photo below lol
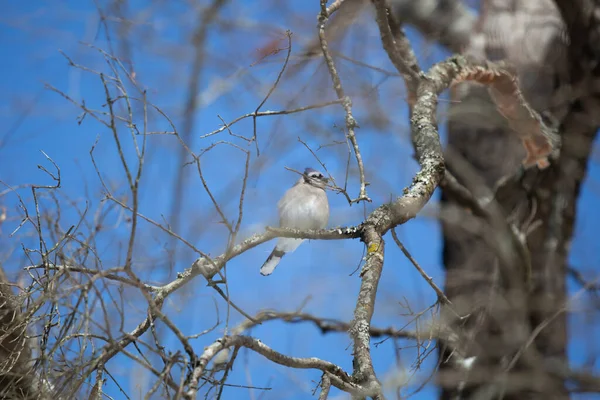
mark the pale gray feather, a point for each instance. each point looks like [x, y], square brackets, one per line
[303, 206]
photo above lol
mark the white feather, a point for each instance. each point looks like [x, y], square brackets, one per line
[303, 206]
[287, 245]
[270, 265]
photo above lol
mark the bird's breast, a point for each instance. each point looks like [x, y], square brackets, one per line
[305, 212]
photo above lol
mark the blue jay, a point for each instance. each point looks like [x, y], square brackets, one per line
[303, 206]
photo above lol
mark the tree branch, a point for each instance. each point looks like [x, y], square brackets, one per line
[364, 372]
[448, 21]
[274, 356]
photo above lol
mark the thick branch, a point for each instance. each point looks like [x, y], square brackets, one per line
[210, 267]
[278, 358]
[397, 47]
[538, 139]
[364, 373]
[448, 21]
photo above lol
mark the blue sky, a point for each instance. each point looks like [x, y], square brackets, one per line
[34, 119]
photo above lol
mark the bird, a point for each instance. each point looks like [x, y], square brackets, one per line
[303, 206]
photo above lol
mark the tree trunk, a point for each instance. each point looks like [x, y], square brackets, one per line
[516, 327]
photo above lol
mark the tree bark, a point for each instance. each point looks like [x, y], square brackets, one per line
[513, 327]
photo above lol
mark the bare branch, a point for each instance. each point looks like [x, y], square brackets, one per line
[538, 139]
[449, 22]
[346, 101]
[441, 296]
[325, 325]
[269, 113]
[267, 352]
[398, 48]
[364, 372]
[325, 386]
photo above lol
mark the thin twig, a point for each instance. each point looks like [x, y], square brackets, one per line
[346, 101]
[270, 113]
[272, 89]
[441, 296]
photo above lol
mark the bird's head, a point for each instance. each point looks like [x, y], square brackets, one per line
[315, 178]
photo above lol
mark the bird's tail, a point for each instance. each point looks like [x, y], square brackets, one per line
[272, 261]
